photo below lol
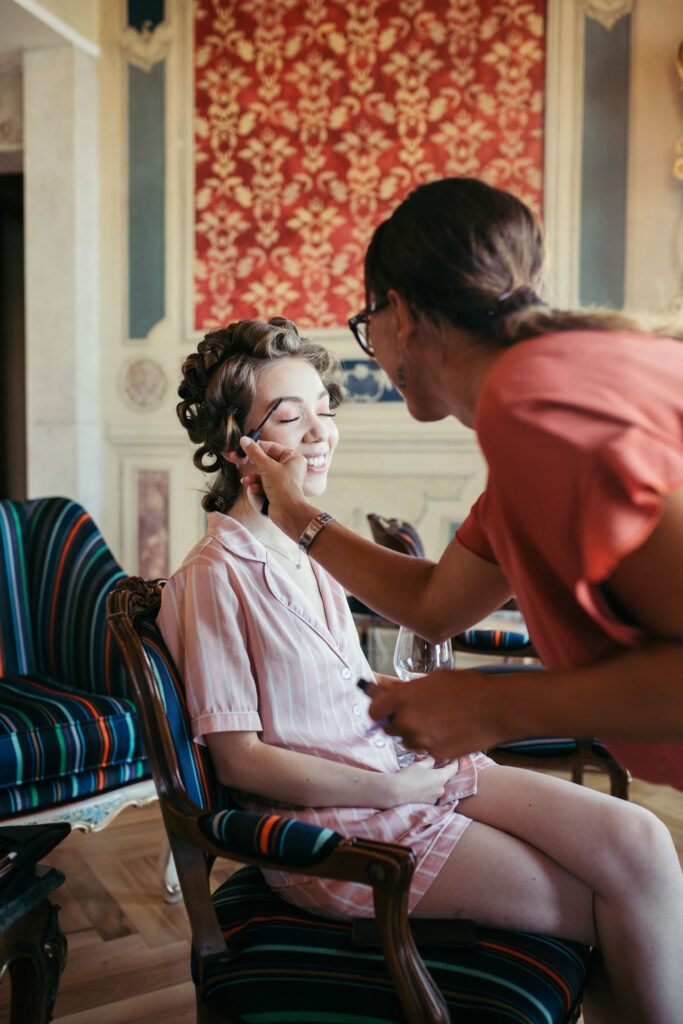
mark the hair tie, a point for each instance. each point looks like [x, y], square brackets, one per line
[518, 298]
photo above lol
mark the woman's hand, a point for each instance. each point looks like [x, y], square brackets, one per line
[421, 782]
[280, 475]
[448, 713]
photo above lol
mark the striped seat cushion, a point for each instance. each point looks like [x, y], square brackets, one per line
[551, 746]
[37, 796]
[287, 965]
[49, 731]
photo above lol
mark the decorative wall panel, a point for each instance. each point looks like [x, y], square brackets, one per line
[314, 118]
[153, 540]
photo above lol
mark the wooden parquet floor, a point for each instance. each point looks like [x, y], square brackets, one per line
[129, 952]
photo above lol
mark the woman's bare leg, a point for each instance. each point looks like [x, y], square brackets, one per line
[553, 857]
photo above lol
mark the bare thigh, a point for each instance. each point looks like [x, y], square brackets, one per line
[602, 841]
[536, 852]
[500, 881]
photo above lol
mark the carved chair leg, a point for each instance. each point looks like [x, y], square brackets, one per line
[168, 876]
[36, 964]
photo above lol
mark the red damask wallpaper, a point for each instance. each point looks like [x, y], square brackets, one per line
[314, 118]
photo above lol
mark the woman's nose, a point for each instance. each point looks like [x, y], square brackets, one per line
[316, 429]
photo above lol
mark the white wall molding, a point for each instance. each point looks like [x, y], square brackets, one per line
[563, 150]
[67, 33]
[62, 274]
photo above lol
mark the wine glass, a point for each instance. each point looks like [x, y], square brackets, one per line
[414, 656]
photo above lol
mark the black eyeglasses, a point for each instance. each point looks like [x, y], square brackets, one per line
[360, 324]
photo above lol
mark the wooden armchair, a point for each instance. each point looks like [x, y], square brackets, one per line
[255, 955]
[556, 753]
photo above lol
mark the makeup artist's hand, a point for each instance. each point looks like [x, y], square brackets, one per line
[449, 712]
[280, 474]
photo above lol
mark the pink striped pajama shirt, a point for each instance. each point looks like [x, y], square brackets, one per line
[255, 657]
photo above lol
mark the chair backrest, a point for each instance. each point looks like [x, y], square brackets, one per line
[181, 768]
[399, 535]
[17, 656]
[56, 581]
[396, 534]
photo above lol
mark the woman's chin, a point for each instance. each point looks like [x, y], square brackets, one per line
[316, 484]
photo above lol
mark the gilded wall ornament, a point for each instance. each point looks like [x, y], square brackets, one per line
[146, 48]
[142, 385]
[607, 12]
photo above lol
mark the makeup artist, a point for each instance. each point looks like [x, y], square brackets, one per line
[579, 416]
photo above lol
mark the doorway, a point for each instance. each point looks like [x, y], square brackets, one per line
[12, 340]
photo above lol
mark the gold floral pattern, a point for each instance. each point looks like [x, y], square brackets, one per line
[314, 118]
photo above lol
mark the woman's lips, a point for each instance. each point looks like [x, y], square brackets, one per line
[317, 464]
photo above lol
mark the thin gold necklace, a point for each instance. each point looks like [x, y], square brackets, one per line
[297, 565]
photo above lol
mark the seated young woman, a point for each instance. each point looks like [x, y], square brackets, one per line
[270, 657]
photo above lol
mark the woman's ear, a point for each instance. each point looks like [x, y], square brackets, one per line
[237, 460]
[404, 318]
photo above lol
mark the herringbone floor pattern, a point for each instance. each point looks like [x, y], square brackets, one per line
[128, 959]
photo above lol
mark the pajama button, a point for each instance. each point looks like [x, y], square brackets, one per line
[379, 742]
[357, 710]
[347, 673]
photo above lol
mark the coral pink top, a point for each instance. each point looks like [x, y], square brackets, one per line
[255, 657]
[583, 435]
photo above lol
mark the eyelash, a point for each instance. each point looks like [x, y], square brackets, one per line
[295, 418]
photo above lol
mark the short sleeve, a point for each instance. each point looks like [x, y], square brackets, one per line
[203, 626]
[621, 491]
[471, 533]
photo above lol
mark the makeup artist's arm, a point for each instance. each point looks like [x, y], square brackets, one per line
[243, 761]
[437, 600]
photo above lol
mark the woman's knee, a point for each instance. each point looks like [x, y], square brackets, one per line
[639, 847]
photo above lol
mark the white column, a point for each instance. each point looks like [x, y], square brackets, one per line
[654, 255]
[62, 274]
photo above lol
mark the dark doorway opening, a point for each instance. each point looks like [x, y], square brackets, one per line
[12, 340]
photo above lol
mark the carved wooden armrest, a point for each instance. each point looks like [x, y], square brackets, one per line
[272, 841]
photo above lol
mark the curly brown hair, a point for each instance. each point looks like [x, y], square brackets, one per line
[218, 388]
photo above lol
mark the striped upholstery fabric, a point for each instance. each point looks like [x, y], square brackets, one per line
[70, 571]
[269, 836]
[287, 965]
[396, 534]
[18, 800]
[497, 641]
[59, 744]
[202, 786]
[16, 639]
[67, 729]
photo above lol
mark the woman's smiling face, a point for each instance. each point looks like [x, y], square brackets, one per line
[303, 420]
